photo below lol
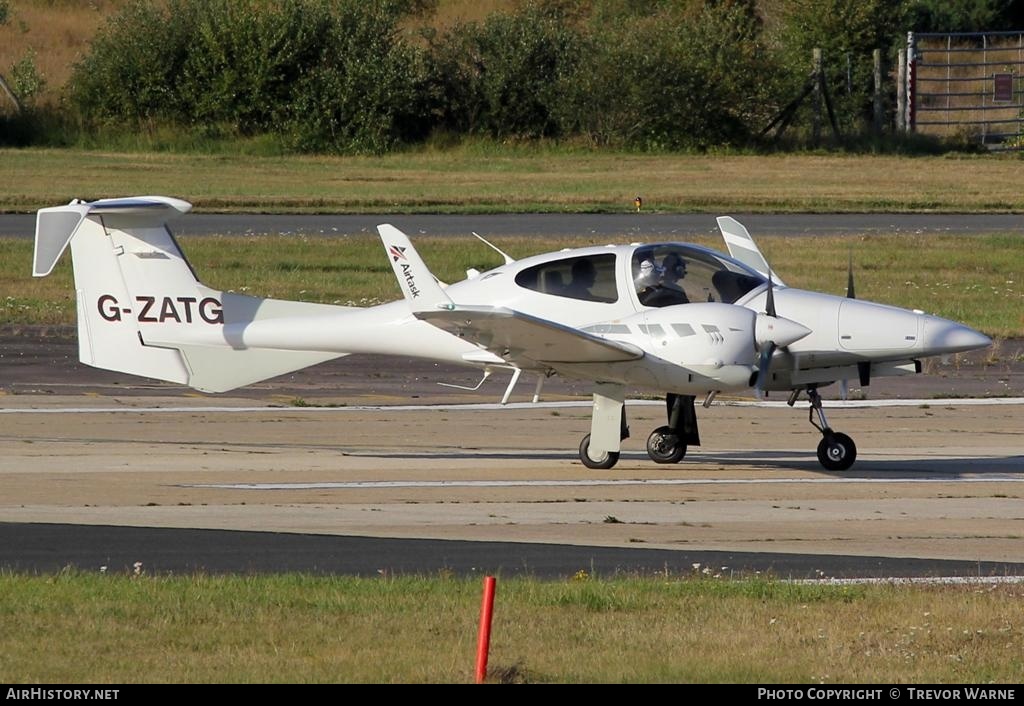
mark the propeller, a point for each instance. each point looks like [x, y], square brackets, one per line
[850, 292]
[772, 332]
[763, 363]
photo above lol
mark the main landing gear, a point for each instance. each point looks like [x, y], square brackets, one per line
[836, 452]
[603, 460]
[667, 444]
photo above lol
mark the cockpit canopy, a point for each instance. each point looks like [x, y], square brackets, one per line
[665, 275]
[660, 275]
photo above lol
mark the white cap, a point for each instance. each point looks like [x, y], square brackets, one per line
[649, 275]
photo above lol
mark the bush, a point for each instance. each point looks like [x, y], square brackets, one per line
[26, 81]
[366, 90]
[132, 73]
[326, 75]
[501, 77]
[675, 78]
[340, 76]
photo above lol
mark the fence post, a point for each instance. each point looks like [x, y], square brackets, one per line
[901, 92]
[877, 124]
[911, 119]
[816, 97]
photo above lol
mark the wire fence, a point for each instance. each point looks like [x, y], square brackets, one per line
[967, 85]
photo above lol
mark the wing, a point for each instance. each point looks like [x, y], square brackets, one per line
[527, 341]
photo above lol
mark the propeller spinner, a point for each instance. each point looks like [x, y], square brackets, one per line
[772, 332]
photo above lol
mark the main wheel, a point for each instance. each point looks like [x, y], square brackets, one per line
[837, 452]
[604, 461]
[665, 446]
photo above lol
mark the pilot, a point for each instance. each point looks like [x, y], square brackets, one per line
[583, 277]
[674, 268]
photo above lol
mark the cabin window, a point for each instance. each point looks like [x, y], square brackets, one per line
[589, 278]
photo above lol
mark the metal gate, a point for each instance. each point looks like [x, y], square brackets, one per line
[967, 84]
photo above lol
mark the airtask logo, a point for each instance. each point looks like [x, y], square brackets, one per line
[398, 253]
[158, 310]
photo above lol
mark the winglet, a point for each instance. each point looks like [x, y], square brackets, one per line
[743, 248]
[416, 281]
[56, 226]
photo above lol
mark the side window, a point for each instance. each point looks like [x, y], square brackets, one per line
[589, 278]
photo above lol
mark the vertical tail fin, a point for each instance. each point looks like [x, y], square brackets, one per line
[141, 308]
[743, 248]
[416, 281]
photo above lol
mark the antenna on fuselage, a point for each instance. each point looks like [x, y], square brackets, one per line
[495, 248]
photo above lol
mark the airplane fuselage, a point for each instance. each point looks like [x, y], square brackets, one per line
[689, 348]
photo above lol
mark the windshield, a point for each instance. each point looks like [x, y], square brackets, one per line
[664, 275]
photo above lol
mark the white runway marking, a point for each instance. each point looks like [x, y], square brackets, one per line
[829, 404]
[352, 485]
[914, 580]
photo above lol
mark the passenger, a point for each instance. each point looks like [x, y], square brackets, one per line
[647, 281]
[584, 275]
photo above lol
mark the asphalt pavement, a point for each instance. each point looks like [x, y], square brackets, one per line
[47, 548]
[639, 226]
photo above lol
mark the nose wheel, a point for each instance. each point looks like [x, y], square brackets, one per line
[836, 451]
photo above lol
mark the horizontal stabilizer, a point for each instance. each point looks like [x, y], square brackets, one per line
[55, 226]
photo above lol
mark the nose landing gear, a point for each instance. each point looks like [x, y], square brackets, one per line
[836, 451]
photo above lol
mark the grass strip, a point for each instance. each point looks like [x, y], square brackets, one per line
[486, 177]
[92, 627]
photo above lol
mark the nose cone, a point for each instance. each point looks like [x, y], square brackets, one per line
[778, 330]
[940, 336]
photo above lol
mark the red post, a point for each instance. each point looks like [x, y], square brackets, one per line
[483, 643]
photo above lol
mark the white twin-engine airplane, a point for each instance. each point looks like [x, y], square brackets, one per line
[677, 319]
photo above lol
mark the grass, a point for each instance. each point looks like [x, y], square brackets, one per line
[296, 628]
[480, 176]
[978, 280]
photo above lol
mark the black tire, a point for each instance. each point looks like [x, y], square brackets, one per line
[665, 446]
[605, 462]
[837, 452]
